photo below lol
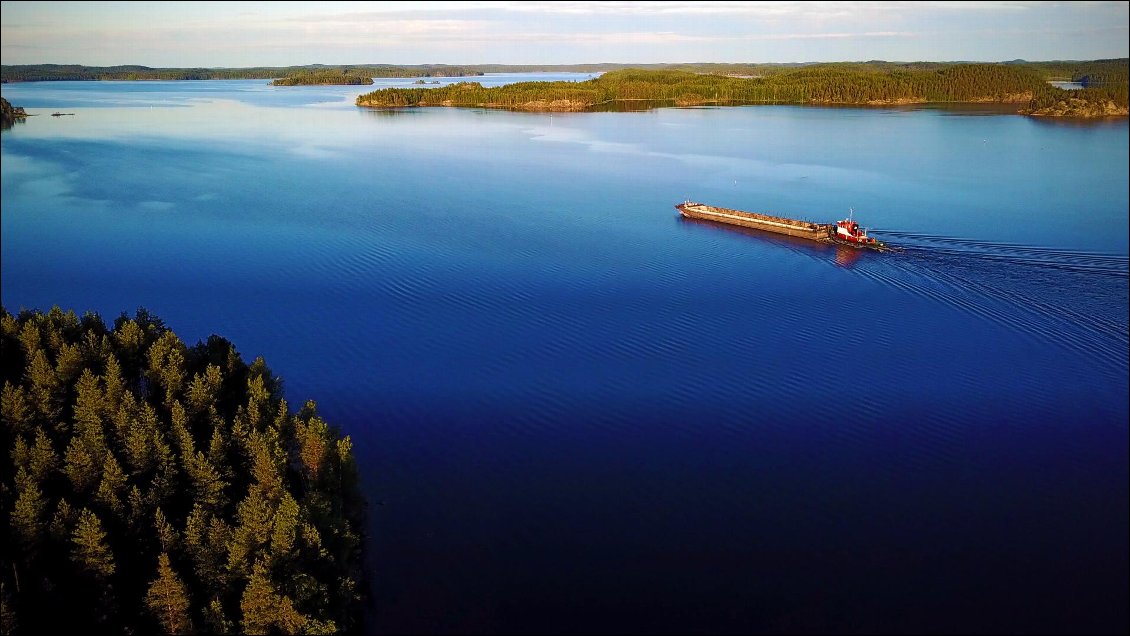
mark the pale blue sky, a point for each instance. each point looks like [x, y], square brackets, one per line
[235, 34]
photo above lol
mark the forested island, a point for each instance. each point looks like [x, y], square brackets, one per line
[879, 83]
[326, 77]
[10, 114]
[149, 486]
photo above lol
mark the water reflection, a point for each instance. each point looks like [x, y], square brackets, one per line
[382, 113]
[632, 105]
[847, 256]
[1079, 122]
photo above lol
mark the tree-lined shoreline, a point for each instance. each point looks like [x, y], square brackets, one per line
[872, 84]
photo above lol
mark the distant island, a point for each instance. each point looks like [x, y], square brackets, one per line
[10, 114]
[315, 78]
[1023, 86]
[77, 72]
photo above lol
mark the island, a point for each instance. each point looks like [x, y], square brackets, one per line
[1022, 87]
[9, 114]
[329, 77]
[150, 486]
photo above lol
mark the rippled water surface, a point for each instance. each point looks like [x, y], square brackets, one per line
[577, 412]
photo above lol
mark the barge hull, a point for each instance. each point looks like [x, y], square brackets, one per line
[820, 232]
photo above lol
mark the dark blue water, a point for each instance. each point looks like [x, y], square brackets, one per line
[577, 412]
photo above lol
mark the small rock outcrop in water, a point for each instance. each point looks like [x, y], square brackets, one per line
[11, 114]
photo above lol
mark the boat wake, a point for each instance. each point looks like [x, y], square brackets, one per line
[1066, 298]
[927, 245]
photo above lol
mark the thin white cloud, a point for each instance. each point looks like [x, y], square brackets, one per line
[247, 34]
[833, 36]
[671, 37]
[764, 8]
[983, 6]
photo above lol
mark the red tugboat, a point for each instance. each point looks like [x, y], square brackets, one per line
[848, 231]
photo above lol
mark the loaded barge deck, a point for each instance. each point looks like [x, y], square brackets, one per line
[846, 232]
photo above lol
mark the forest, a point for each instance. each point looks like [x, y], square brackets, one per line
[314, 78]
[150, 486]
[838, 83]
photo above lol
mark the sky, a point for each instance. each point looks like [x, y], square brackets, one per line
[242, 34]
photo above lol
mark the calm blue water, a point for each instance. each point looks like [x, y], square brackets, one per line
[577, 412]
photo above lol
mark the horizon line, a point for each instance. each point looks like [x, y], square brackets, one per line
[605, 63]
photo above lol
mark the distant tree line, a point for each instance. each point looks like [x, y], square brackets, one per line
[1059, 70]
[149, 486]
[1087, 73]
[74, 72]
[852, 83]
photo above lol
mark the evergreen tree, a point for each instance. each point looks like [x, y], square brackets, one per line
[206, 540]
[15, 408]
[136, 507]
[264, 610]
[204, 390]
[112, 487]
[215, 620]
[167, 599]
[207, 485]
[166, 365]
[44, 391]
[62, 521]
[114, 387]
[28, 515]
[285, 525]
[29, 338]
[81, 466]
[69, 364]
[313, 438]
[42, 459]
[90, 548]
[167, 535]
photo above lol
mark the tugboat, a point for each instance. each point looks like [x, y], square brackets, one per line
[848, 232]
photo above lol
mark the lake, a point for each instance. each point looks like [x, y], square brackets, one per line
[577, 412]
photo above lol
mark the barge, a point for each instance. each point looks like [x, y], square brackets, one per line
[845, 232]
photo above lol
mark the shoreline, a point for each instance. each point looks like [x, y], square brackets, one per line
[1079, 111]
